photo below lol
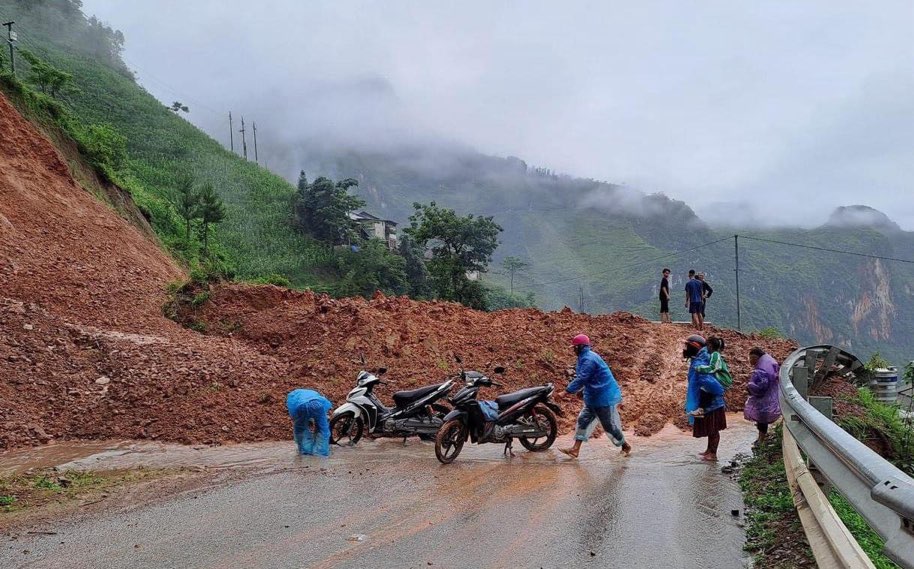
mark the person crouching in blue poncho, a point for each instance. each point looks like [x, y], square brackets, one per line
[308, 411]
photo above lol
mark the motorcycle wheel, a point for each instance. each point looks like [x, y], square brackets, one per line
[545, 418]
[449, 441]
[346, 429]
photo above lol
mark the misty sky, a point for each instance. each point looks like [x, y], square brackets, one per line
[720, 104]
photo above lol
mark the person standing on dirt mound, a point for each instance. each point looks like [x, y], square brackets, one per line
[601, 398]
[704, 392]
[310, 428]
[695, 300]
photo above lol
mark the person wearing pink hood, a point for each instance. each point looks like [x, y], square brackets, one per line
[763, 407]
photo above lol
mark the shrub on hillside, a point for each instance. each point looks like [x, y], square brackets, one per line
[370, 268]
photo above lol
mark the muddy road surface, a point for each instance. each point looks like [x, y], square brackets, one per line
[383, 504]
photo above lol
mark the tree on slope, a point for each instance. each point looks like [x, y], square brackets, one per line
[50, 80]
[514, 265]
[212, 210]
[187, 201]
[459, 246]
[322, 208]
[373, 267]
[414, 264]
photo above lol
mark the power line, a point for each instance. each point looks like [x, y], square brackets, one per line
[630, 265]
[826, 249]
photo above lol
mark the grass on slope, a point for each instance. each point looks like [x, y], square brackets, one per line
[256, 236]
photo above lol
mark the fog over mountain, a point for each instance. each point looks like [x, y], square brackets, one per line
[745, 112]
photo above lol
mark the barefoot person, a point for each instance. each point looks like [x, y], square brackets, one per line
[601, 398]
[762, 407]
[717, 367]
[704, 392]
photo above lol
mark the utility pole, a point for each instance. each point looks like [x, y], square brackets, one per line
[10, 38]
[581, 299]
[736, 252]
[244, 141]
[231, 133]
[254, 125]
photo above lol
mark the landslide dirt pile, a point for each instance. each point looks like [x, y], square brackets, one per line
[85, 351]
[63, 248]
[84, 348]
[323, 339]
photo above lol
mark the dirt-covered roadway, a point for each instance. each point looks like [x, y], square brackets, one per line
[661, 507]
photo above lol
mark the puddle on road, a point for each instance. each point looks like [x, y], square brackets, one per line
[669, 446]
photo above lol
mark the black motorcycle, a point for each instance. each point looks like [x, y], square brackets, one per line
[415, 412]
[527, 415]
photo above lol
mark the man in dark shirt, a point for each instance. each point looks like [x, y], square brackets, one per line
[694, 295]
[665, 297]
[706, 291]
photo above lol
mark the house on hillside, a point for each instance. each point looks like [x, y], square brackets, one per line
[373, 227]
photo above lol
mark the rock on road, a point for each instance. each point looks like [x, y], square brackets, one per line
[661, 507]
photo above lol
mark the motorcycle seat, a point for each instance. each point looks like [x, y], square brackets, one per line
[505, 401]
[404, 398]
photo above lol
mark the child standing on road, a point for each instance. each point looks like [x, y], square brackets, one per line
[718, 369]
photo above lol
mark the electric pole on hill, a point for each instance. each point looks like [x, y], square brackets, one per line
[254, 126]
[581, 299]
[10, 38]
[231, 133]
[244, 141]
[738, 311]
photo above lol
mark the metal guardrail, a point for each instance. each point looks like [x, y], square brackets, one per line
[876, 489]
[832, 544]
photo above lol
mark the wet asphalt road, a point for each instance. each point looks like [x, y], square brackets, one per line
[659, 508]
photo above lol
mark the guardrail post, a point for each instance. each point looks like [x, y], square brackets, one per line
[825, 406]
[801, 380]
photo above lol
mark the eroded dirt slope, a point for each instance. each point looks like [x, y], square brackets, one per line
[63, 248]
[84, 348]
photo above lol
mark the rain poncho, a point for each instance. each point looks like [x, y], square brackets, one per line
[306, 405]
[718, 368]
[592, 374]
[702, 381]
[763, 405]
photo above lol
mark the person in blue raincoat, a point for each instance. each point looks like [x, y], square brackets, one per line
[601, 398]
[704, 392]
[305, 406]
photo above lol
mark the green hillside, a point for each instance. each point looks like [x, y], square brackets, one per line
[610, 249]
[256, 239]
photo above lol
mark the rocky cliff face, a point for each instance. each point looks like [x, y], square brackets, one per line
[874, 312]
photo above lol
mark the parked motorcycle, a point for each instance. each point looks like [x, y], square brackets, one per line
[527, 415]
[415, 412]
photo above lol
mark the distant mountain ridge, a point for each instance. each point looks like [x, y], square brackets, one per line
[607, 243]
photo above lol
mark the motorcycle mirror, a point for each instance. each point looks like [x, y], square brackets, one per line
[499, 369]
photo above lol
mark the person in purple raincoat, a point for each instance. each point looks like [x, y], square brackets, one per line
[763, 407]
